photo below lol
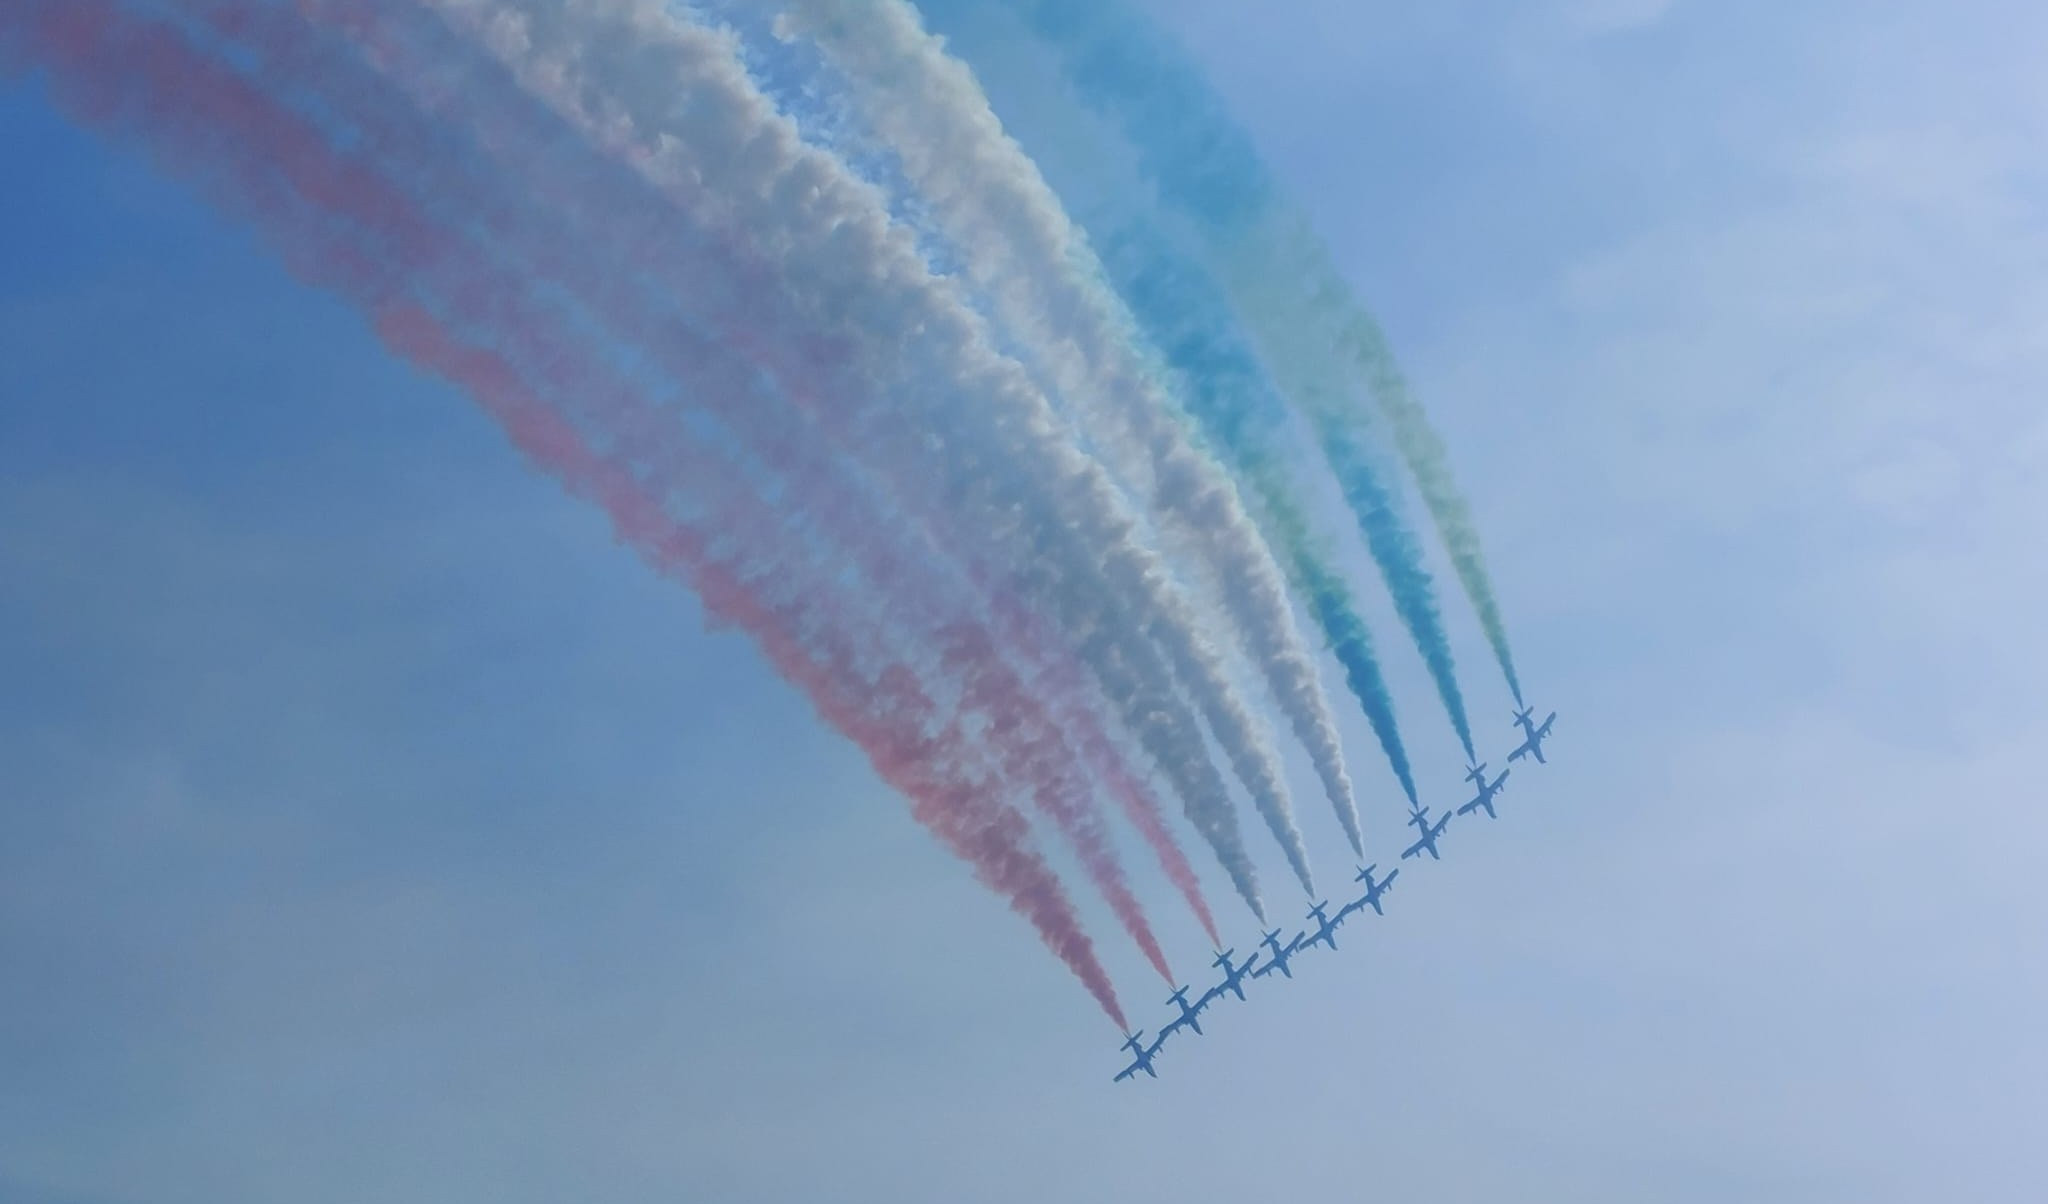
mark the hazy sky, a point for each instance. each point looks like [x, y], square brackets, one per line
[373, 828]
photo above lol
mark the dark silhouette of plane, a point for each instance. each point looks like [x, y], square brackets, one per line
[1233, 976]
[1373, 891]
[1533, 735]
[1325, 929]
[1427, 841]
[1321, 928]
[1141, 1055]
[1485, 796]
[1188, 1017]
[1277, 959]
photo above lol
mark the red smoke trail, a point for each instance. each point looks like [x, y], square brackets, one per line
[1023, 731]
[1017, 625]
[1029, 742]
[481, 103]
[141, 79]
[802, 371]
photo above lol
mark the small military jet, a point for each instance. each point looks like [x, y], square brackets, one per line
[1325, 932]
[1189, 1016]
[1485, 796]
[1277, 959]
[1427, 841]
[1533, 735]
[1373, 891]
[1141, 1055]
[1233, 976]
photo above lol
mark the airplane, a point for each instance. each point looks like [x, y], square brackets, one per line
[1532, 744]
[1427, 841]
[1373, 891]
[1485, 796]
[1326, 928]
[1277, 960]
[1187, 1017]
[1141, 1054]
[1233, 976]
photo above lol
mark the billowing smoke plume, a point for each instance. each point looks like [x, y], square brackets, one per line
[1019, 249]
[1312, 332]
[943, 503]
[437, 302]
[914, 368]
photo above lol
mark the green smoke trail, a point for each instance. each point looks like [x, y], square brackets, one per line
[1308, 325]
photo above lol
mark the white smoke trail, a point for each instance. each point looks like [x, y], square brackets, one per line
[1017, 246]
[917, 373]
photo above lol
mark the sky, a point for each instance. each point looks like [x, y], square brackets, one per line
[373, 827]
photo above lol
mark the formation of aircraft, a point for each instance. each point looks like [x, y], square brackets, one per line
[1322, 929]
[1484, 799]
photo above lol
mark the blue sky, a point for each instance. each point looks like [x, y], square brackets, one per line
[371, 827]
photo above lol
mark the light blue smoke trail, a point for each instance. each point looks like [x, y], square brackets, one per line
[1314, 335]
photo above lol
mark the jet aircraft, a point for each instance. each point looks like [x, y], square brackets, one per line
[1427, 841]
[1533, 735]
[1373, 891]
[1141, 1055]
[1325, 929]
[1485, 796]
[1233, 976]
[1277, 959]
[1188, 1017]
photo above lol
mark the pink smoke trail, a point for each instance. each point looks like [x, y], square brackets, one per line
[858, 407]
[1031, 751]
[141, 79]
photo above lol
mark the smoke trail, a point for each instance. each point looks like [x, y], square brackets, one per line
[1430, 464]
[1206, 171]
[1018, 247]
[141, 80]
[1350, 641]
[1061, 681]
[625, 229]
[1227, 392]
[1029, 752]
[673, 100]
[1301, 366]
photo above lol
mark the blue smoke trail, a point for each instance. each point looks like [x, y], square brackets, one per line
[1206, 171]
[1225, 390]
